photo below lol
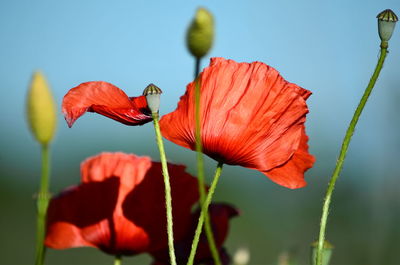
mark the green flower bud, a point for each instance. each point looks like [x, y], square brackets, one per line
[200, 34]
[152, 94]
[41, 109]
[386, 21]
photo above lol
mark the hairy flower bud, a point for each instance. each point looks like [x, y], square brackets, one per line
[200, 34]
[386, 22]
[152, 94]
[41, 109]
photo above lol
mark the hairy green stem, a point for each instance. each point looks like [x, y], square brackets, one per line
[343, 151]
[203, 213]
[168, 199]
[42, 203]
[200, 171]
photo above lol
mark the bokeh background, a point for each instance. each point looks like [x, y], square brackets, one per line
[328, 47]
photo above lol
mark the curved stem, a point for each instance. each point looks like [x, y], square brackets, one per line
[42, 203]
[168, 199]
[204, 211]
[342, 155]
[200, 172]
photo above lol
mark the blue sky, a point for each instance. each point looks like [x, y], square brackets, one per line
[328, 47]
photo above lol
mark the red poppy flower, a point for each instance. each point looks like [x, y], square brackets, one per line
[250, 116]
[120, 206]
[220, 214]
[106, 99]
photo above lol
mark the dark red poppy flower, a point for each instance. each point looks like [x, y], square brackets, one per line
[120, 206]
[220, 214]
[250, 116]
[106, 99]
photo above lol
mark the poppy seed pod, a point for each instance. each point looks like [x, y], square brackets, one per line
[152, 94]
[41, 109]
[200, 34]
[386, 22]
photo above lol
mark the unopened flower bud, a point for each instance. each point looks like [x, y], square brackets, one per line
[152, 94]
[41, 109]
[326, 252]
[386, 21]
[200, 34]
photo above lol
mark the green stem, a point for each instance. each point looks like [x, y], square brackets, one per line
[200, 174]
[42, 203]
[197, 67]
[342, 155]
[168, 200]
[118, 260]
[204, 210]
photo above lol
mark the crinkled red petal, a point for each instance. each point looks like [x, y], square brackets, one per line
[105, 99]
[290, 174]
[250, 115]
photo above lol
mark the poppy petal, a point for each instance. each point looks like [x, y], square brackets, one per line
[250, 115]
[124, 237]
[290, 174]
[62, 234]
[119, 206]
[106, 99]
[72, 220]
[184, 195]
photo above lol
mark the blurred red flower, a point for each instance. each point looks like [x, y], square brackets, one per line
[250, 116]
[120, 206]
[220, 214]
[105, 99]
